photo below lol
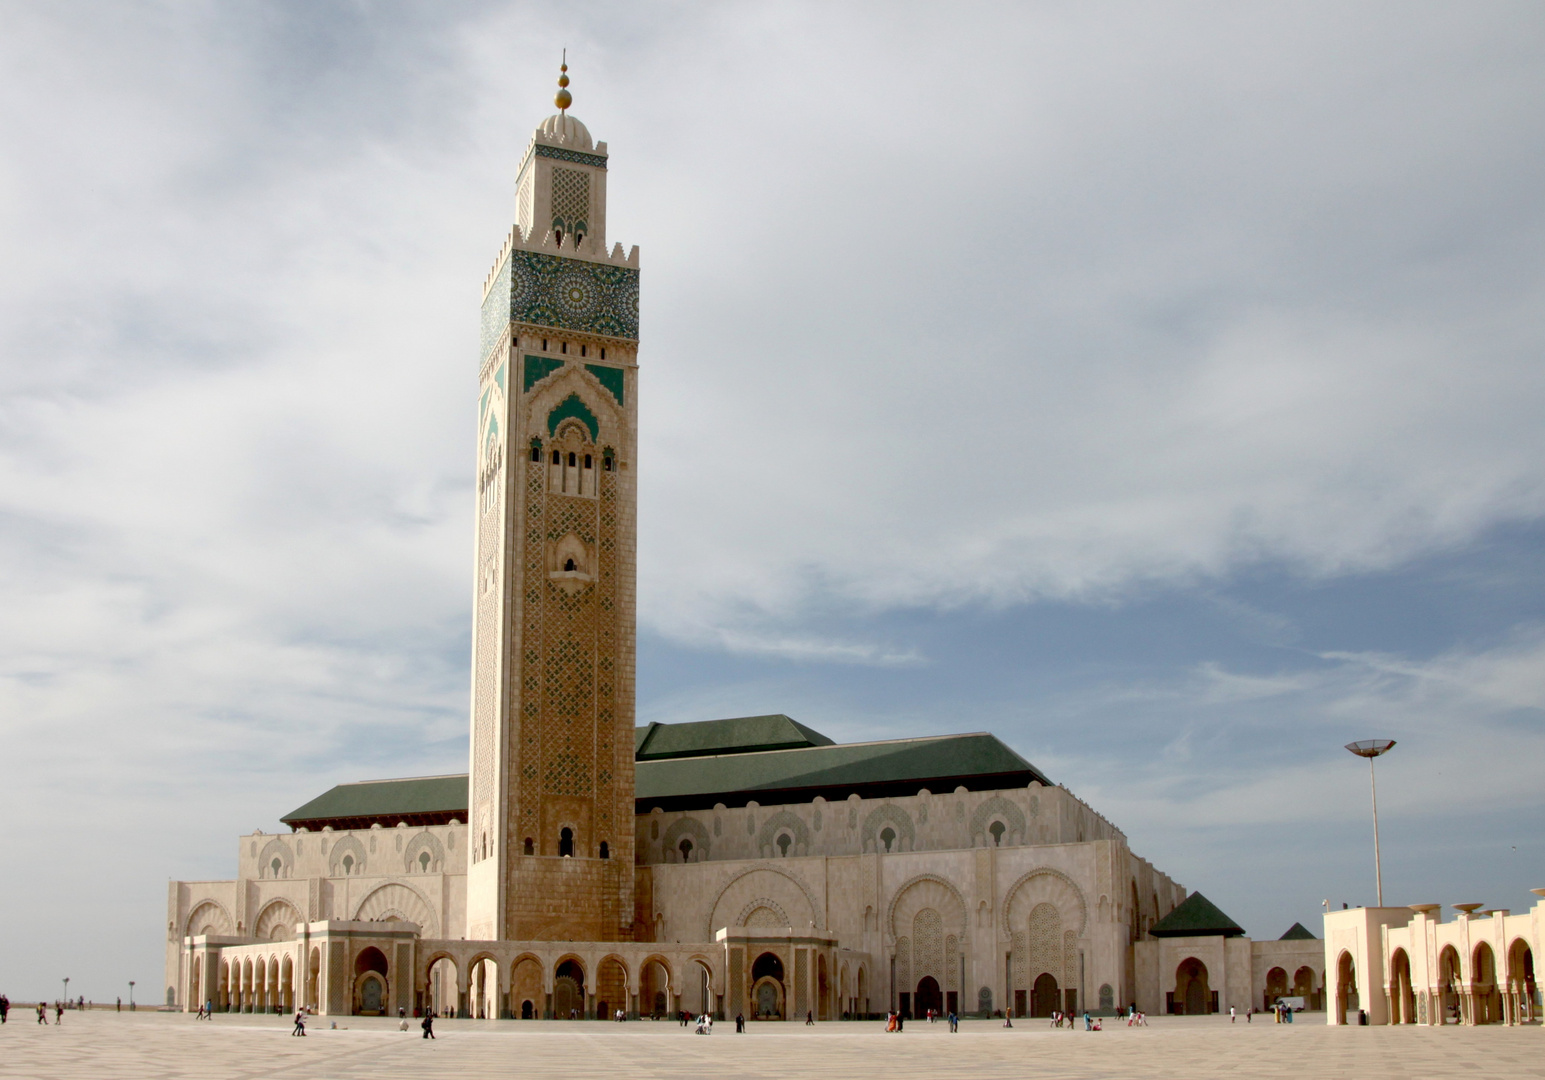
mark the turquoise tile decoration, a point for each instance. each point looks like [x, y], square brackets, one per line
[609, 377]
[578, 157]
[572, 406]
[572, 294]
[496, 309]
[538, 368]
[499, 378]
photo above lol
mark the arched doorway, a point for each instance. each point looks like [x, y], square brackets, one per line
[1402, 1002]
[526, 996]
[483, 989]
[443, 992]
[313, 975]
[822, 989]
[370, 988]
[698, 992]
[1449, 983]
[1520, 980]
[767, 987]
[1346, 989]
[287, 984]
[1486, 1005]
[1303, 986]
[1043, 995]
[611, 988]
[927, 997]
[1276, 986]
[1193, 996]
[861, 997]
[569, 991]
[655, 989]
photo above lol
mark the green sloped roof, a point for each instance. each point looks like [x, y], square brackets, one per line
[1297, 932]
[1196, 916]
[901, 766]
[381, 799]
[895, 767]
[739, 735]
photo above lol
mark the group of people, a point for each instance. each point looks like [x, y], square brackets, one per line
[1091, 1023]
[896, 1021]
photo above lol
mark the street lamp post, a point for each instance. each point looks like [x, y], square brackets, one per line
[1370, 749]
[131, 995]
[67, 990]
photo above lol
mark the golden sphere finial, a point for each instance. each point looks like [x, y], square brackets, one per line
[563, 99]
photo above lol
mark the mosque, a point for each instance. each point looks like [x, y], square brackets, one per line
[586, 866]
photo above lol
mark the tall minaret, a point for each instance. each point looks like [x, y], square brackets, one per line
[551, 798]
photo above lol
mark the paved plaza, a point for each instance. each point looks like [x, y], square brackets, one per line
[161, 1045]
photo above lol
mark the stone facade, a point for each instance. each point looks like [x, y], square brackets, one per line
[552, 696]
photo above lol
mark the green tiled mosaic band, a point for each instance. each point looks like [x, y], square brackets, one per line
[563, 293]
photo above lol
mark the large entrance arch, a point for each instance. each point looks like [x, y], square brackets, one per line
[927, 997]
[1193, 996]
[767, 997]
[1043, 995]
[370, 986]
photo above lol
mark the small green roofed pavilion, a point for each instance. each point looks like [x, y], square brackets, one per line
[1297, 932]
[1196, 916]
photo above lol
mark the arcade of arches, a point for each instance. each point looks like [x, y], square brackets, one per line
[1409, 966]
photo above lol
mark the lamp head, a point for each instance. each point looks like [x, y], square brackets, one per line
[1371, 748]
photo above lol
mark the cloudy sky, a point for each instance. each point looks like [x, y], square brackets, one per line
[1156, 386]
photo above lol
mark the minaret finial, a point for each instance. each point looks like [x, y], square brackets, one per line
[563, 99]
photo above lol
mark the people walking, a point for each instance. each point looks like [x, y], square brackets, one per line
[42, 1014]
[954, 1023]
[810, 1019]
[58, 1013]
[5, 1007]
[428, 1025]
[300, 1022]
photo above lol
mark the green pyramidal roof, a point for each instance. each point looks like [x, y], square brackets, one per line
[1297, 932]
[739, 735]
[1196, 916]
[418, 800]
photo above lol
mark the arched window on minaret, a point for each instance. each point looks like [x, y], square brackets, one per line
[566, 842]
[572, 469]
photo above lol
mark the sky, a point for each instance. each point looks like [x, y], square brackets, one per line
[1157, 386]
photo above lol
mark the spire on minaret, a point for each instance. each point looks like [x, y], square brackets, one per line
[563, 99]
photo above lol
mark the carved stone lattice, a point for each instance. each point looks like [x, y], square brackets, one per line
[952, 963]
[571, 198]
[928, 945]
[904, 964]
[1045, 942]
[1021, 960]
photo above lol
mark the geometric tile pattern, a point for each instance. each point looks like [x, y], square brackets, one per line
[570, 294]
[577, 157]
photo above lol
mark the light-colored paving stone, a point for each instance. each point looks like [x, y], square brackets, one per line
[159, 1045]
